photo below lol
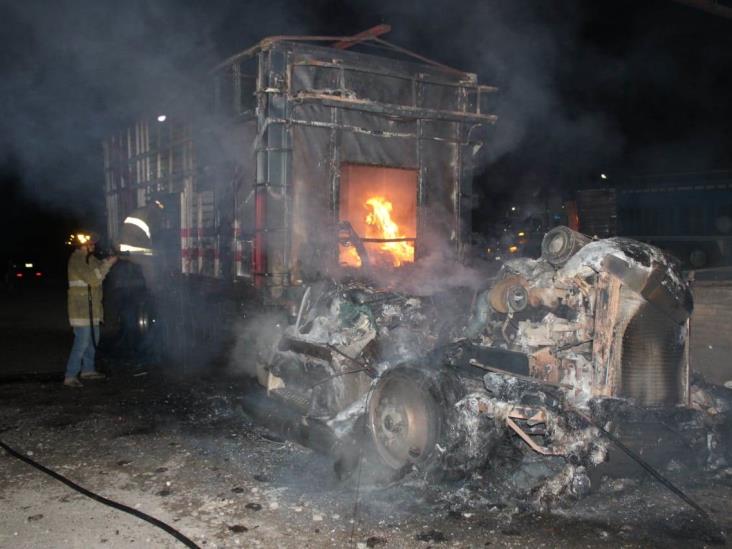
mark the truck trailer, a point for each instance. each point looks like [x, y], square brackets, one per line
[262, 188]
[334, 187]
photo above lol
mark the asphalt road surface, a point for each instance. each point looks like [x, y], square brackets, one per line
[183, 449]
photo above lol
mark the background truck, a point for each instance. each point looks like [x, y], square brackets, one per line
[687, 214]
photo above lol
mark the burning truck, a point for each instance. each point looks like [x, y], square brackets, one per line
[440, 382]
[335, 186]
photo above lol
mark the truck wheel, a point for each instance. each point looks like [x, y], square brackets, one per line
[698, 258]
[143, 320]
[406, 417]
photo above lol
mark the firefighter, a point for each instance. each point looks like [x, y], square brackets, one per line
[86, 274]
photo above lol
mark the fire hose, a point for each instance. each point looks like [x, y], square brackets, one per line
[719, 534]
[652, 471]
[91, 312]
[91, 316]
[96, 497]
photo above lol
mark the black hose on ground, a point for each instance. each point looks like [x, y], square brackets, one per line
[115, 505]
[719, 534]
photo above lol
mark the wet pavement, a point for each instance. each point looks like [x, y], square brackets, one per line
[184, 449]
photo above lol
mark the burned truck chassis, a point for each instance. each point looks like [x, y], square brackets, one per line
[442, 414]
[437, 384]
[438, 380]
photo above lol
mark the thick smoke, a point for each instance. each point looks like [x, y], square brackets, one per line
[74, 72]
[583, 87]
[255, 337]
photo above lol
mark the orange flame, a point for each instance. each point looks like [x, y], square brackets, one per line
[383, 226]
[379, 224]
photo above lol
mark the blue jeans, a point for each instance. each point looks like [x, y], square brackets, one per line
[81, 358]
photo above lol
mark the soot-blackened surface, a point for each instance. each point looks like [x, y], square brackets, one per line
[184, 450]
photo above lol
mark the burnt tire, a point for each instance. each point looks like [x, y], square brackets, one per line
[407, 417]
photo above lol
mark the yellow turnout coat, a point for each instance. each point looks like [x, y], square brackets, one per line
[86, 273]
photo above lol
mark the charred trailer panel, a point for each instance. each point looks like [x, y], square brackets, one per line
[307, 161]
[359, 161]
[313, 160]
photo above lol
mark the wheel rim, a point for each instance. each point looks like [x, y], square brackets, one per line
[402, 421]
[143, 321]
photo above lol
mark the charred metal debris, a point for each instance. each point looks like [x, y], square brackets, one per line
[442, 383]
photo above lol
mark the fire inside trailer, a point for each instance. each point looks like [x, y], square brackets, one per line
[313, 159]
[380, 204]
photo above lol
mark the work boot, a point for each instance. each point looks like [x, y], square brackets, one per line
[72, 382]
[93, 375]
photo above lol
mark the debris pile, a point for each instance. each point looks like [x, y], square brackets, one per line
[442, 383]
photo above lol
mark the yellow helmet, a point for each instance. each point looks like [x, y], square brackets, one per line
[83, 238]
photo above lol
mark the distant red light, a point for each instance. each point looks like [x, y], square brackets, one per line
[39, 273]
[19, 275]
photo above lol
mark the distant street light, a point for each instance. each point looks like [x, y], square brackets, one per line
[162, 118]
[602, 175]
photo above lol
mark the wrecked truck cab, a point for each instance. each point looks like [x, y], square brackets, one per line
[589, 320]
[325, 184]
[604, 318]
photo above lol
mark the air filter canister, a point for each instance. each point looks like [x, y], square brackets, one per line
[561, 243]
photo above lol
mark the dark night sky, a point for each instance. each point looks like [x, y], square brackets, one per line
[586, 86]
